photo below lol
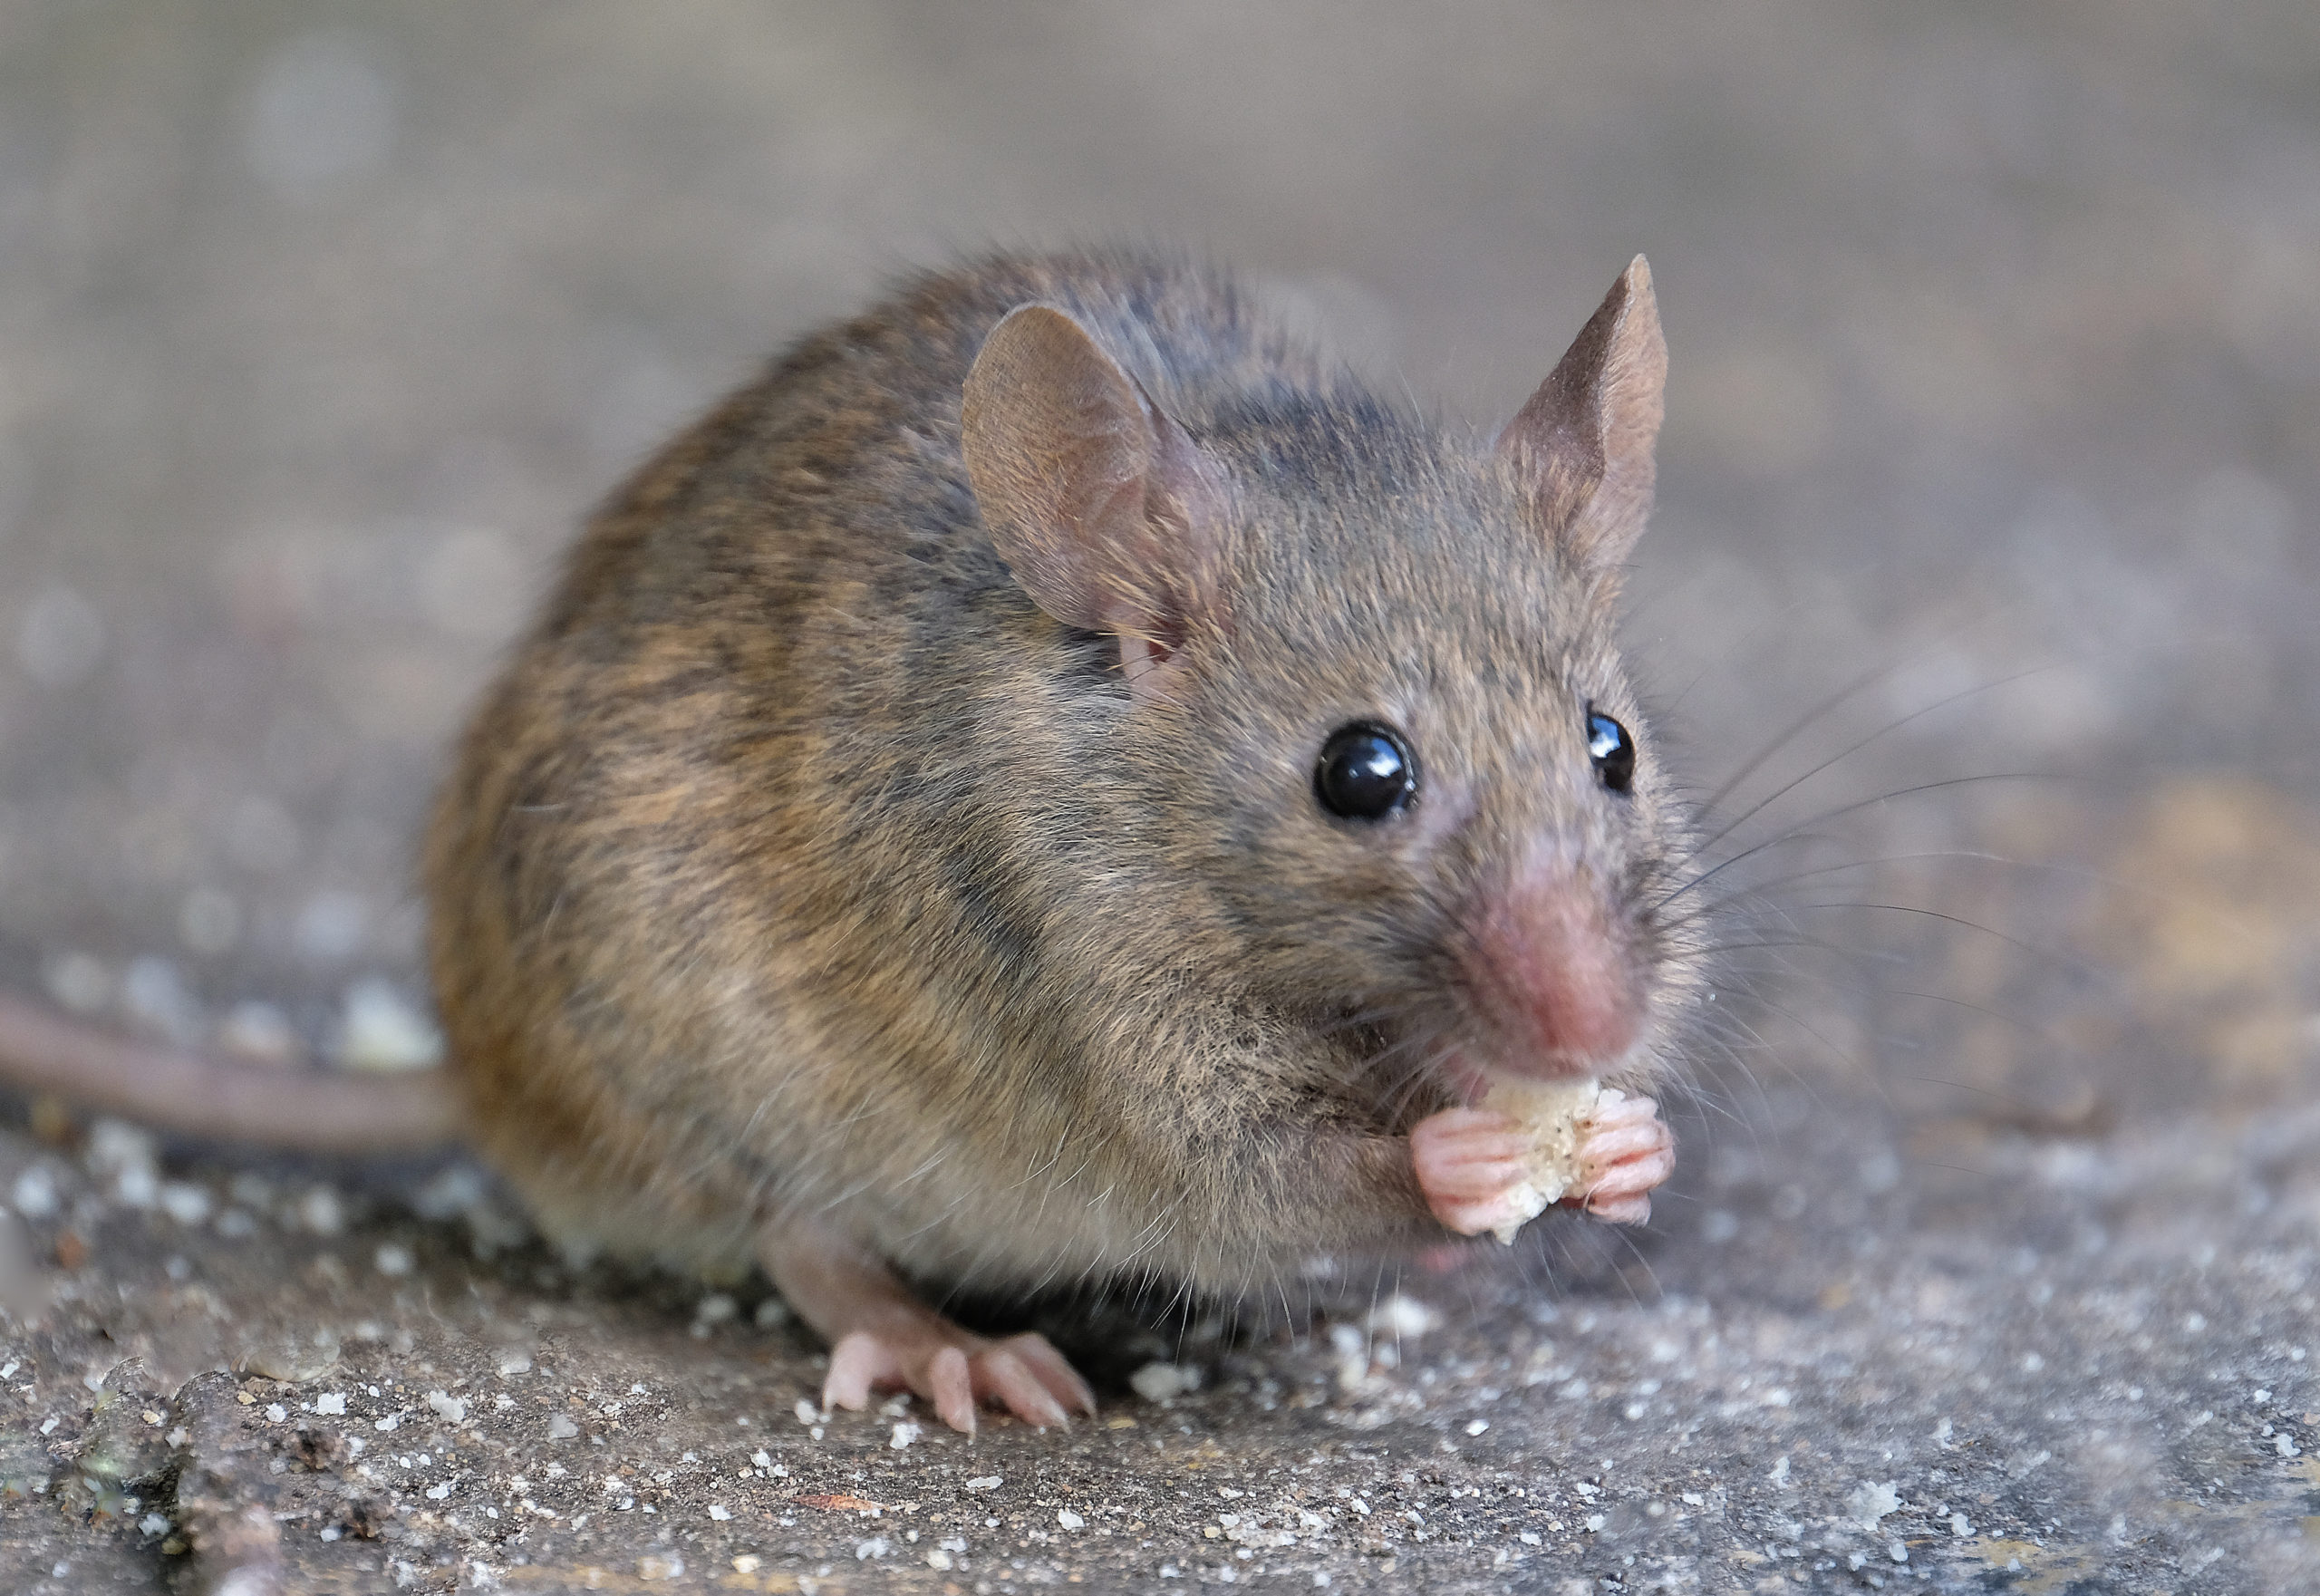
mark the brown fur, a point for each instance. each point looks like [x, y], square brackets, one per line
[800, 864]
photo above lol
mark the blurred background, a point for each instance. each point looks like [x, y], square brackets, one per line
[1996, 396]
[1980, 604]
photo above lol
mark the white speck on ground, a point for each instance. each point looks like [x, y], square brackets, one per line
[382, 1030]
[1869, 1504]
[1402, 1316]
[1157, 1382]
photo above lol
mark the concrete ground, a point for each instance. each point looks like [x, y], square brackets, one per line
[1990, 1263]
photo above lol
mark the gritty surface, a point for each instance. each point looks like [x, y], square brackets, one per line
[1989, 1261]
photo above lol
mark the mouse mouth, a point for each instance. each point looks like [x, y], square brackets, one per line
[1472, 1073]
[1417, 1058]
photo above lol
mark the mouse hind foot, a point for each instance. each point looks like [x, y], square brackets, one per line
[880, 1337]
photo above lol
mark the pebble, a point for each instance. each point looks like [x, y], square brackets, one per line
[1157, 1382]
[128, 1154]
[1871, 1502]
[185, 1201]
[382, 1030]
[322, 1212]
[35, 1193]
[1405, 1318]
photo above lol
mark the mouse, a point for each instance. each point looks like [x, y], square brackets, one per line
[1054, 782]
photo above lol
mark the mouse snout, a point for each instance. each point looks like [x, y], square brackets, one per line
[1549, 967]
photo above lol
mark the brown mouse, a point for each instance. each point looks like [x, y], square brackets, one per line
[1053, 783]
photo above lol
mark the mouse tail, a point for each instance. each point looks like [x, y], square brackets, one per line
[222, 1099]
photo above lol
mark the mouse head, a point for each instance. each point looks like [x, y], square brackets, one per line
[1374, 709]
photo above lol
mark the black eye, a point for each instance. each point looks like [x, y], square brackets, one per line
[1365, 773]
[1611, 749]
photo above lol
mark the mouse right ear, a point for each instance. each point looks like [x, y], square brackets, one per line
[1101, 506]
[1582, 445]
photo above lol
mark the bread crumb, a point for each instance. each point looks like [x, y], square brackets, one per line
[1550, 1116]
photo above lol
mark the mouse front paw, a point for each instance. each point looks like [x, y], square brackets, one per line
[1625, 1149]
[956, 1370]
[1474, 1167]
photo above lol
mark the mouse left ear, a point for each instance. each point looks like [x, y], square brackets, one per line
[1582, 445]
[1105, 511]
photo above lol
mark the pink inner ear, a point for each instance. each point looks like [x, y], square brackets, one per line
[1152, 654]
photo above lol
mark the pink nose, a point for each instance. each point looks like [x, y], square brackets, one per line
[1552, 972]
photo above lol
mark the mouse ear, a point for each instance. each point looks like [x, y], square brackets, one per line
[1582, 445]
[1101, 506]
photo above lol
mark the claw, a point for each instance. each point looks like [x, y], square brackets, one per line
[952, 1369]
[882, 1337]
[857, 1361]
[951, 1386]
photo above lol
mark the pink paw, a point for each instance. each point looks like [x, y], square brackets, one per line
[1625, 1149]
[954, 1370]
[1473, 1166]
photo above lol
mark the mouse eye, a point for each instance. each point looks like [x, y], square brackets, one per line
[1365, 773]
[1611, 749]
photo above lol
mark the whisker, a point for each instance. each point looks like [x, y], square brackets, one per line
[1870, 802]
[2078, 965]
[1784, 791]
[1797, 727]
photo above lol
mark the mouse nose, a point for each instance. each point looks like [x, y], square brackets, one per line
[1551, 973]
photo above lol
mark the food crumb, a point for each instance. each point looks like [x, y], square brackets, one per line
[1402, 1317]
[185, 1201]
[1871, 1502]
[1159, 1382]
